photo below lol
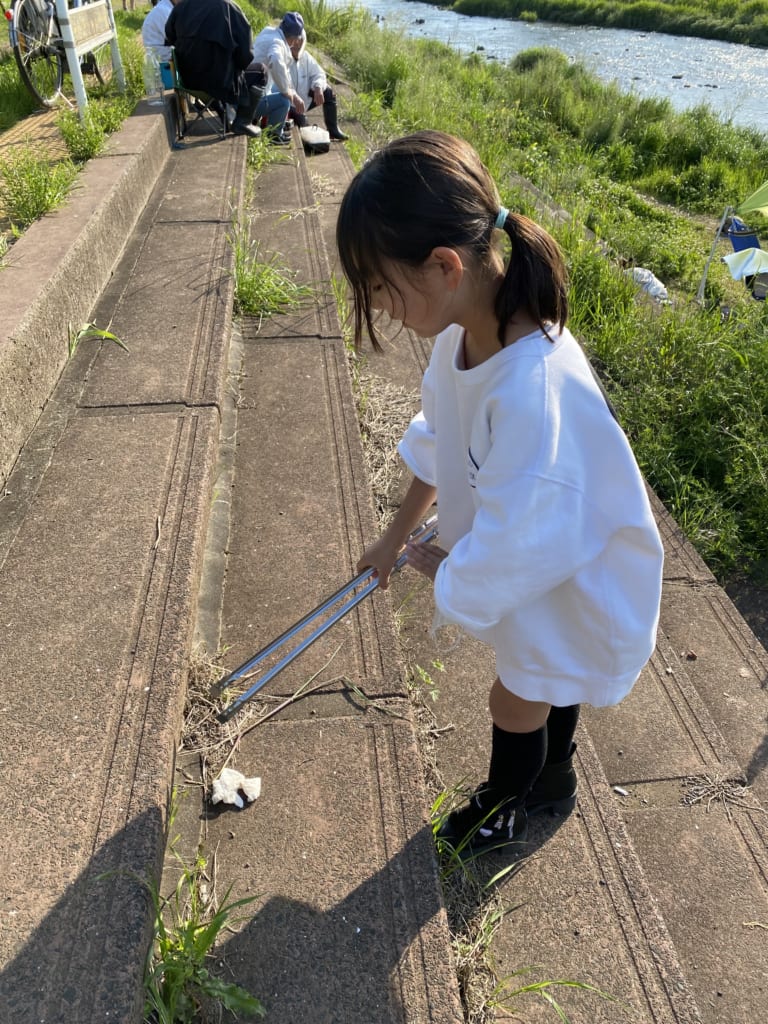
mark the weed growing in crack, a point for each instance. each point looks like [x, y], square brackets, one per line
[262, 286]
[179, 987]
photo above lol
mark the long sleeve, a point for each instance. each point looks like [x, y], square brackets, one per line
[279, 69]
[170, 28]
[417, 447]
[554, 558]
[315, 74]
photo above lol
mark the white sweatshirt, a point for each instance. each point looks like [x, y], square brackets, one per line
[271, 49]
[306, 73]
[555, 559]
[153, 29]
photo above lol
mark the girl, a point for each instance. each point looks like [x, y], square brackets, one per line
[549, 550]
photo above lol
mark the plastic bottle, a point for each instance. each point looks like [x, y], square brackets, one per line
[153, 81]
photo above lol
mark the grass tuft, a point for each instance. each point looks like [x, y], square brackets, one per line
[30, 186]
[179, 987]
[263, 286]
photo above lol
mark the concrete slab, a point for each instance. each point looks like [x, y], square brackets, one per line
[301, 513]
[728, 667]
[581, 907]
[729, 979]
[102, 577]
[292, 242]
[81, 242]
[174, 309]
[634, 748]
[347, 923]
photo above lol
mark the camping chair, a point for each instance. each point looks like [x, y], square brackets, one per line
[210, 111]
[749, 261]
[740, 236]
[741, 239]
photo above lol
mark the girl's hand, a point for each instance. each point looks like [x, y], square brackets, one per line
[381, 556]
[425, 558]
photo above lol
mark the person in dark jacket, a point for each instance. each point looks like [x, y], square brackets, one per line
[214, 46]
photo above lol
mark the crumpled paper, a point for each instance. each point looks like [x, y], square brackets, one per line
[230, 784]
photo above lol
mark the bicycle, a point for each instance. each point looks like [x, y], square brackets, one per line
[38, 48]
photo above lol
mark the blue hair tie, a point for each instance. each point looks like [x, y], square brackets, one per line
[501, 219]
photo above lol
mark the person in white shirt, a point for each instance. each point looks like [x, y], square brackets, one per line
[549, 551]
[153, 29]
[310, 82]
[272, 54]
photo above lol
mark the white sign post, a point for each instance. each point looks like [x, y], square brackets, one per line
[83, 30]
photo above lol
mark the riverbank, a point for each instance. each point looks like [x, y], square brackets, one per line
[690, 385]
[711, 19]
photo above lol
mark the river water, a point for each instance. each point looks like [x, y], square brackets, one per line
[726, 76]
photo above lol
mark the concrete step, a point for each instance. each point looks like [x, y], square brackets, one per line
[347, 923]
[101, 529]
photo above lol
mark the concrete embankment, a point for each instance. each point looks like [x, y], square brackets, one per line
[210, 485]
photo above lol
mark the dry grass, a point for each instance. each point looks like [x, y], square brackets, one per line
[710, 789]
[384, 411]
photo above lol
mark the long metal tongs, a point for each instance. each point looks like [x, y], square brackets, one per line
[366, 579]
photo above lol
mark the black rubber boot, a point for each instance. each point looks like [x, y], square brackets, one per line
[331, 118]
[245, 111]
[555, 788]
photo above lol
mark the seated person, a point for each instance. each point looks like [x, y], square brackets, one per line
[309, 81]
[272, 50]
[213, 48]
[153, 29]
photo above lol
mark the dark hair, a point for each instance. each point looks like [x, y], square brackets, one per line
[431, 189]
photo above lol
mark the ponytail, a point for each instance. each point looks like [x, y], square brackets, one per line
[536, 279]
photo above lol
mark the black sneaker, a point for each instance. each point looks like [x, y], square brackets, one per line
[477, 828]
[277, 137]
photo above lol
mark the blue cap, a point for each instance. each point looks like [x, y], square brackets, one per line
[292, 25]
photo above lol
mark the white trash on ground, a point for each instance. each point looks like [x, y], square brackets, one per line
[231, 784]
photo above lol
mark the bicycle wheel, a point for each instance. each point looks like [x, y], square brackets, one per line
[98, 63]
[38, 50]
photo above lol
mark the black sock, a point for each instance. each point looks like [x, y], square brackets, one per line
[561, 725]
[516, 762]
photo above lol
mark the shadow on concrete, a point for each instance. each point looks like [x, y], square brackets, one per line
[491, 872]
[349, 963]
[84, 961]
[751, 601]
[365, 959]
[759, 760]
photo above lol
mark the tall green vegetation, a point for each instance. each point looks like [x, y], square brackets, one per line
[16, 101]
[710, 19]
[30, 185]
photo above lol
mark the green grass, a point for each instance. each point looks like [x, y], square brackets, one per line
[263, 286]
[690, 388]
[90, 331]
[31, 185]
[16, 102]
[179, 987]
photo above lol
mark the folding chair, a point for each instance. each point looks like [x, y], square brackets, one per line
[750, 265]
[208, 110]
[740, 236]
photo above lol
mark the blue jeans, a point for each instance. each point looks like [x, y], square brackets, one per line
[274, 106]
